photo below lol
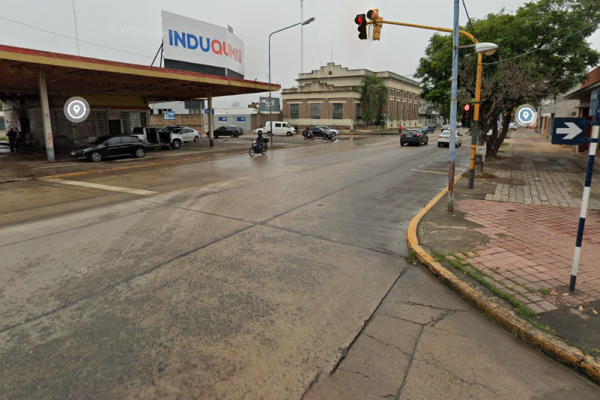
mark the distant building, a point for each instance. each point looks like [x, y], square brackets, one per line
[331, 96]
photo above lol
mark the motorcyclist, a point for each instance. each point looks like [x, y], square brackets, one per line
[260, 142]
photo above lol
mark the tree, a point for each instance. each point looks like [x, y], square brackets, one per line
[540, 57]
[373, 97]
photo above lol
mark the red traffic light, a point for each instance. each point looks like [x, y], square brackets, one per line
[361, 21]
[467, 107]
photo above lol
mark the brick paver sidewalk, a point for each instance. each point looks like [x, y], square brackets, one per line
[531, 222]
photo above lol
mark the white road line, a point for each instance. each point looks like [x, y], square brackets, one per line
[103, 187]
[430, 172]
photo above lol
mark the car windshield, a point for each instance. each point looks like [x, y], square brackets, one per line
[100, 140]
[412, 131]
[324, 127]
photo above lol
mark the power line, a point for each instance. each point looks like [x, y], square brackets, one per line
[547, 44]
[468, 17]
[70, 37]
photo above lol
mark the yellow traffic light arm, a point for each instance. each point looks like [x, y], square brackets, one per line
[432, 28]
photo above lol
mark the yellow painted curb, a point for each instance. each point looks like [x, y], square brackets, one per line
[555, 348]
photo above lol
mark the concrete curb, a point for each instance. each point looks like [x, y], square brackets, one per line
[555, 348]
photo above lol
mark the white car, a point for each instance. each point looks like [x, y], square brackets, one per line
[188, 134]
[512, 126]
[444, 139]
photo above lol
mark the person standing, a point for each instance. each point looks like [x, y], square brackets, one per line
[12, 140]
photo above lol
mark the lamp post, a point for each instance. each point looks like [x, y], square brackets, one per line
[488, 49]
[308, 21]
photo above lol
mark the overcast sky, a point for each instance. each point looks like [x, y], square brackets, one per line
[134, 26]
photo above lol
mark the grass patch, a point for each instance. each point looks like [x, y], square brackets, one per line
[504, 145]
[479, 276]
[411, 258]
[544, 291]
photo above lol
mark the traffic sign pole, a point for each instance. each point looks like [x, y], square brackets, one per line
[584, 206]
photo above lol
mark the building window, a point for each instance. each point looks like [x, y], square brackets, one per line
[295, 111]
[338, 111]
[397, 110]
[315, 111]
[391, 110]
[358, 112]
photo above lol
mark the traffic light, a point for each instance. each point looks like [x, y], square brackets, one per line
[361, 21]
[373, 15]
[467, 109]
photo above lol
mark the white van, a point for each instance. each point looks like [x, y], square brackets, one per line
[279, 128]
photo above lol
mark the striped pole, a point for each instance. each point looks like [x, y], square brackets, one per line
[584, 205]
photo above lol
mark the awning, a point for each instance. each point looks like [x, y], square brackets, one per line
[583, 93]
[19, 72]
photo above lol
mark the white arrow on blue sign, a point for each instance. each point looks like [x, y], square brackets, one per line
[568, 131]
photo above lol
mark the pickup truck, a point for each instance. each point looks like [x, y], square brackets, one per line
[158, 137]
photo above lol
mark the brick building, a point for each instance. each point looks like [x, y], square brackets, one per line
[331, 96]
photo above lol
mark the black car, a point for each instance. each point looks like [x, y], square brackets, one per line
[110, 147]
[230, 130]
[413, 136]
[322, 132]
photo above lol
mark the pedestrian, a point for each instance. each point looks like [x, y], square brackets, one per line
[12, 140]
[399, 128]
[20, 140]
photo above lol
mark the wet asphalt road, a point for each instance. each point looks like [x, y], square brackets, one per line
[228, 278]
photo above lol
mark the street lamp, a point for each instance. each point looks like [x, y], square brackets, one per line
[488, 49]
[308, 21]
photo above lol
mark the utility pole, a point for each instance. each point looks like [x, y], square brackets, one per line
[76, 32]
[453, 110]
[301, 37]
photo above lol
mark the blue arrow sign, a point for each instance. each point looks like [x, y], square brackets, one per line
[570, 131]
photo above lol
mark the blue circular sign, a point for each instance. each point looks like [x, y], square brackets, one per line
[525, 115]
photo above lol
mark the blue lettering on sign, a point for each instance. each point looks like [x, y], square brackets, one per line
[222, 119]
[180, 38]
[241, 119]
[207, 45]
[191, 45]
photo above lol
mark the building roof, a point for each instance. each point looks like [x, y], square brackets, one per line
[342, 72]
[20, 67]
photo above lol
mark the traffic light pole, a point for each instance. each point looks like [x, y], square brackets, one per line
[475, 127]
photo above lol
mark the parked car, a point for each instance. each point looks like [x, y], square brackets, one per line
[428, 129]
[155, 137]
[109, 147]
[232, 131]
[335, 131]
[316, 131]
[279, 128]
[187, 134]
[413, 136]
[512, 126]
[446, 127]
[444, 139]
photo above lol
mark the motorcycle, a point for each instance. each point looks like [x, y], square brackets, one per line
[308, 135]
[258, 147]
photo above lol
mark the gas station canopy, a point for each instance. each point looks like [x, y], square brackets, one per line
[20, 69]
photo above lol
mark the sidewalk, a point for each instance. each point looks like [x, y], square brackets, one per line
[514, 235]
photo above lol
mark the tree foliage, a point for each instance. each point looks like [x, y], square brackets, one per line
[373, 97]
[510, 78]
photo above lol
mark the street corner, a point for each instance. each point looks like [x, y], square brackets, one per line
[508, 260]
